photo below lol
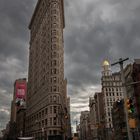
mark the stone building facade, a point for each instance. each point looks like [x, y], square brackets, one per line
[92, 118]
[47, 97]
[112, 91]
[98, 97]
[15, 108]
[96, 117]
[84, 125]
[20, 122]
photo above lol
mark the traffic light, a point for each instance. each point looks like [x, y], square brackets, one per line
[130, 106]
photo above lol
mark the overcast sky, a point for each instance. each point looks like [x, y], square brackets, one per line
[95, 30]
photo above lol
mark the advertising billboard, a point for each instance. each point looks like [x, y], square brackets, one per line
[20, 90]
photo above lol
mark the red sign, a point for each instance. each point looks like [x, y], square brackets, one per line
[20, 90]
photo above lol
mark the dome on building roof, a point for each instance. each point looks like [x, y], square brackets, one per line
[105, 63]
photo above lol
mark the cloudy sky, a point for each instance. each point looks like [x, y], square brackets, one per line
[95, 30]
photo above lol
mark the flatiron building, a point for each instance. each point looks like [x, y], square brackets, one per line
[47, 97]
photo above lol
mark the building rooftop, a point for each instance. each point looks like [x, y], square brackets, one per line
[105, 63]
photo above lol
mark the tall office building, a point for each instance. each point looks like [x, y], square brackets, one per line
[47, 99]
[93, 118]
[98, 97]
[84, 125]
[96, 116]
[112, 91]
[18, 102]
[18, 96]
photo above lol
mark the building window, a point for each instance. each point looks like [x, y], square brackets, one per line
[53, 46]
[54, 132]
[39, 114]
[46, 122]
[54, 62]
[54, 88]
[54, 79]
[58, 99]
[54, 109]
[50, 109]
[42, 122]
[54, 121]
[42, 113]
[54, 71]
[50, 121]
[39, 124]
[54, 98]
[54, 54]
[46, 111]
[50, 132]
[51, 97]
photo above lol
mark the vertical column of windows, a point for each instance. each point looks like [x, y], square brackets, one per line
[54, 46]
[44, 49]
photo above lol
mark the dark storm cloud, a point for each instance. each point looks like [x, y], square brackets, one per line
[14, 27]
[14, 37]
[4, 116]
[4, 98]
[99, 30]
[95, 30]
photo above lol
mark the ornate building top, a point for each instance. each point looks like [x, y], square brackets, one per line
[106, 68]
[105, 63]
